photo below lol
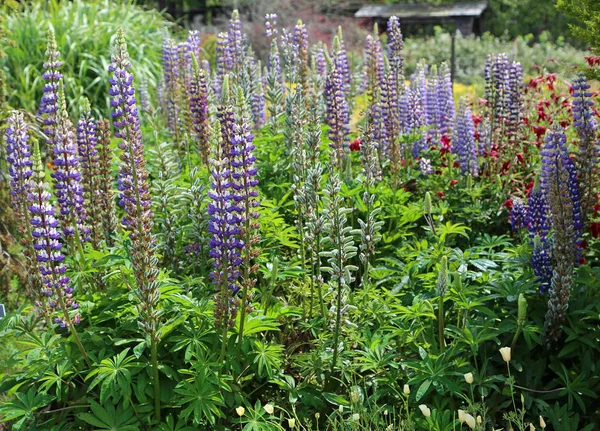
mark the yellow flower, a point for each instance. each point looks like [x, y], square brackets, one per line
[470, 420]
[469, 378]
[531, 427]
[269, 408]
[461, 416]
[317, 415]
[479, 419]
[240, 411]
[292, 423]
[406, 389]
[542, 422]
[505, 352]
[425, 410]
[355, 417]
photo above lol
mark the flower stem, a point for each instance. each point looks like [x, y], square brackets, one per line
[156, 383]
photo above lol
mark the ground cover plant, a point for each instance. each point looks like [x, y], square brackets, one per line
[298, 243]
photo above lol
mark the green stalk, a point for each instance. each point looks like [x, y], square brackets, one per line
[72, 329]
[441, 324]
[338, 318]
[274, 273]
[154, 353]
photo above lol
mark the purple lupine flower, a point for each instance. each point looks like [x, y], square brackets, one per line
[52, 76]
[496, 84]
[56, 286]
[425, 166]
[300, 39]
[18, 155]
[338, 115]
[374, 66]
[106, 210]
[320, 59]
[587, 130]
[463, 140]
[235, 41]
[415, 119]
[538, 213]
[87, 142]
[379, 130]
[560, 185]
[433, 104]
[391, 119]
[133, 187]
[67, 177]
[199, 109]
[193, 47]
[395, 45]
[513, 104]
[259, 113]
[446, 99]
[340, 59]
[271, 25]
[171, 73]
[518, 215]
[541, 262]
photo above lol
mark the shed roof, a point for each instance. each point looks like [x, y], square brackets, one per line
[421, 11]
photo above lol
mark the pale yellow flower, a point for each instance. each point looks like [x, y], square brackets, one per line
[240, 411]
[406, 389]
[542, 422]
[425, 410]
[292, 423]
[269, 408]
[461, 416]
[470, 420]
[355, 417]
[531, 427]
[469, 378]
[479, 419]
[505, 352]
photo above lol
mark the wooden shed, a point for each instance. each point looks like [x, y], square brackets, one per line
[466, 16]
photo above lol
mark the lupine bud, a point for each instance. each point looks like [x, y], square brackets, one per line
[461, 416]
[542, 422]
[469, 378]
[506, 354]
[442, 282]
[470, 420]
[425, 410]
[522, 310]
[240, 411]
[292, 423]
[427, 206]
[406, 389]
[269, 408]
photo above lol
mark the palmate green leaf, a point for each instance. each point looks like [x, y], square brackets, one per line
[256, 324]
[449, 229]
[114, 375]
[202, 398]
[267, 357]
[22, 408]
[109, 418]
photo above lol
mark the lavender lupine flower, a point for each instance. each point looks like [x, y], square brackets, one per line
[224, 61]
[271, 25]
[587, 131]
[52, 76]
[433, 103]
[300, 37]
[380, 135]
[391, 118]
[560, 185]
[193, 47]
[106, 207]
[145, 97]
[235, 41]
[275, 86]
[446, 100]
[518, 215]
[259, 113]
[496, 85]
[415, 119]
[395, 45]
[541, 262]
[319, 55]
[425, 166]
[56, 286]
[199, 109]
[463, 140]
[133, 188]
[87, 141]
[513, 104]
[18, 155]
[338, 115]
[340, 59]
[67, 177]
[539, 219]
[171, 79]
[374, 67]
[225, 244]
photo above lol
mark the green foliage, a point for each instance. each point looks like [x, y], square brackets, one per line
[83, 33]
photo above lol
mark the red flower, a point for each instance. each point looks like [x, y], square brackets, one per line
[539, 131]
[596, 209]
[453, 182]
[528, 188]
[564, 123]
[551, 79]
[520, 158]
[595, 229]
[355, 145]
[508, 203]
[476, 119]
[592, 60]
[440, 194]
